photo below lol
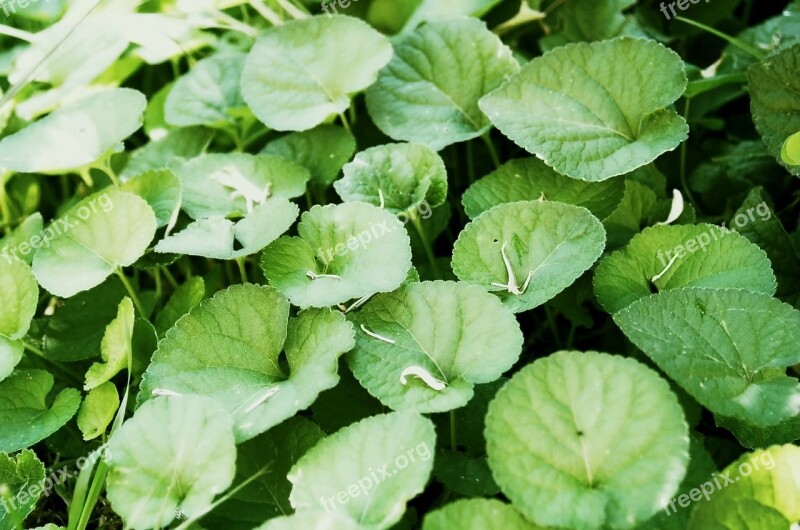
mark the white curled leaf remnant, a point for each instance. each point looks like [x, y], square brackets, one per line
[662, 273]
[265, 396]
[313, 276]
[676, 210]
[164, 392]
[512, 286]
[376, 336]
[422, 373]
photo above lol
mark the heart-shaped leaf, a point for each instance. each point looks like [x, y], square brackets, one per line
[368, 470]
[398, 177]
[344, 251]
[728, 348]
[577, 430]
[452, 333]
[322, 150]
[229, 348]
[527, 252]
[291, 86]
[593, 111]
[429, 92]
[670, 257]
[75, 135]
[162, 191]
[152, 479]
[103, 232]
[116, 347]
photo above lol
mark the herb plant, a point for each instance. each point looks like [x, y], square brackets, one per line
[399, 264]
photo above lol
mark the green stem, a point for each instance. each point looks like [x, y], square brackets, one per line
[270, 15]
[470, 163]
[757, 54]
[427, 245]
[16, 33]
[453, 440]
[492, 150]
[242, 269]
[65, 371]
[345, 123]
[170, 278]
[128, 287]
[292, 9]
[5, 209]
[684, 150]
[551, 321]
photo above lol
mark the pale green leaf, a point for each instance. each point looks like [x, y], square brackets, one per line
[587, 440]
[361, 250]
[322, 150]
[548, 245]
[26, 415]
[594, 111]
[588, 21]
[728, 348]
[368, 470]
[458, 333]
[291, 86]
[20, 296]
[20, 477]
[182, 300]
[681, 256]
[229, 348]
[398, 177]
[167, 152]
[75, 135]
[162, 191]
[11, 352]
[429, 92]
[18, 242]
[116, 347]
[98, 410]
[103, 232]
[311, 521]
[529, 179]
[174, 456]
[476, 514]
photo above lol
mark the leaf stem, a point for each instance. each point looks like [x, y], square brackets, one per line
[684, 149]
[453, 440]
[292, 9]
[492, 150]
[16, 33]
[345, 123]
[423, 236]
[74, 377]
[131, 292]
[270, 15]
[757, 54]
[240, 262]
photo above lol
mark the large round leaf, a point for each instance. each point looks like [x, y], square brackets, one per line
[27, 416]
[593, 111]
[103, 232]
[322, 150]
[229, 348]
[173, 457]
[398, 177]
[681, 256]
[429, 92]
[368, 470]
[530, 179]
[546, 245]
[587, 440]
[208, 94]
[300, 73]
[344, 251]
[75, 135]
[729, 348]
[476, 514]
[458, 333]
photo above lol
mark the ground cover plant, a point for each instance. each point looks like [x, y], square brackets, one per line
[399, 264]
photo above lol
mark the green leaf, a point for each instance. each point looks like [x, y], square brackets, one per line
[639, 208]
[153, 478]
[458, 334]
[362, 248]
[103, 232]
[548, 246]
[290, 86]
[98, 410]
[220, 238]
[398, 177]
[311, 521]
[20, 295]
[25, 417]
[529, 179]
[429, 92]
[20, 477]
[589, 21]
[578, 430]
[223, 184]
[18, 242]
[182, 300]
[594, 111]
[756, 437]
[208, 94]
[275, 451]
[681, 256]
[167, 152]
[229, 348]
[727, 348]
[790, 152]
[476, 514]
[347, 471]
[322, 150]
[161, 189]
[75, 135]
[11, 352]
[116, 347]
[764, 491]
